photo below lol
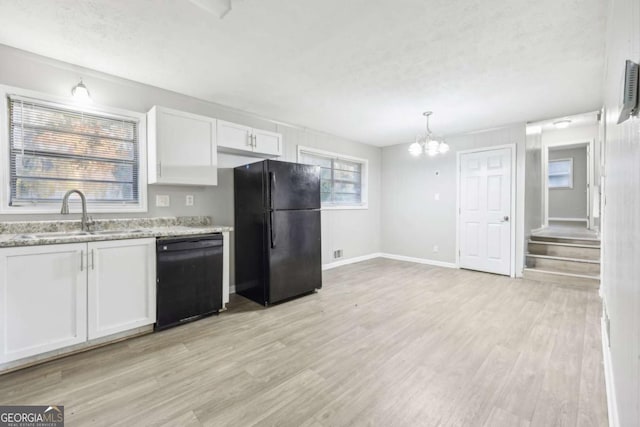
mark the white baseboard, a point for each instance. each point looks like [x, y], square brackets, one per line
[348, 261]
[612, 406]
[569, 219]
[419, 260]
[388, 256]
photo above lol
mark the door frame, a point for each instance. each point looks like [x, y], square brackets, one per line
[590, 144]
[512, 213]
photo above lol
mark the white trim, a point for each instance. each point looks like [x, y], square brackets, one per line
[513, 214]
[419, 260]
[614, 420]
[364, 191]
[70, 104]
[354, 260]
[348, 261]
[569, 219]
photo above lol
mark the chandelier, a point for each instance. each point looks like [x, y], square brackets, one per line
[426, 144]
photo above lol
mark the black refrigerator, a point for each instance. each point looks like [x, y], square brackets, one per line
[277, 230]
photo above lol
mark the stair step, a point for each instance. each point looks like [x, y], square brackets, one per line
[573, 245]
[581, 281]
[564, 265]
[566, 239]
[562, 258]
[564, 250]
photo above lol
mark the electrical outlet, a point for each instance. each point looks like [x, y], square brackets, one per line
[435, 248]
[163, 201]
[337, 253]
[189, 200]
[436, 196]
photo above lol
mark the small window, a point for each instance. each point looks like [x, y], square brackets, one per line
[53, 148]
[343, 179]
[561, 173]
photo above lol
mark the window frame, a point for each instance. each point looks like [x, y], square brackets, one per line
[68, 103]
[570, 174]
[364, 176]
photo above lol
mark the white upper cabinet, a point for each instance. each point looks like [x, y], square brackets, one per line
[240, 139]
[182, 148]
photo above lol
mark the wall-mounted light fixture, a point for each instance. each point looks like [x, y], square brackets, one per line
[80, 92]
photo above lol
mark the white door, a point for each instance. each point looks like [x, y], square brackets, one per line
[122, 285]
[43, 299]
[269, 143]
[235, 136]
[485, 211]
[186, 148]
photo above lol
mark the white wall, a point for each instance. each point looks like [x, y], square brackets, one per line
[570, 202]
[354, 231]
[413, 222]
[533, 184]
[621, 219]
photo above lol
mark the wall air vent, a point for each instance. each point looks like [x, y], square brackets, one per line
[629, 105]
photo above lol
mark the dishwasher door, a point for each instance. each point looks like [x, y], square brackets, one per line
[189, 279]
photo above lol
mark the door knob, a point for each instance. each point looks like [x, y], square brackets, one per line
[505, 218]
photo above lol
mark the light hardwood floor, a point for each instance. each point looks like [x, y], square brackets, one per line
[385, 343]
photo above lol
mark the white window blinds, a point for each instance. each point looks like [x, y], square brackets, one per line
[54, 149]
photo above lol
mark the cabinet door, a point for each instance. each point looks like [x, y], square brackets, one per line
[122, 285]
[184, 148]
[267, 143]
[234, 137]
[43, 299]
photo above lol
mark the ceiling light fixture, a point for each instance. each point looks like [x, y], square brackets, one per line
[426, 143]
[562, 124]
[80, 92]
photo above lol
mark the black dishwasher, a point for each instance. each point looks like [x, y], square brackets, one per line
[189, 278]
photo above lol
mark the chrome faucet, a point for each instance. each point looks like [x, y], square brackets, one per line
[86, 220]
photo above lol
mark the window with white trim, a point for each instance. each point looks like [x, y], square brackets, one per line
[55, 147]
[561, 173]
[343, 179]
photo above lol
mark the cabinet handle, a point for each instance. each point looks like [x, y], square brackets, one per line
[250, 140]
[93, 264]
[255, 141]
[82, 260]
[160, 169]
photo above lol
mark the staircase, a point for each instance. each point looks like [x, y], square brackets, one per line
[566, 260]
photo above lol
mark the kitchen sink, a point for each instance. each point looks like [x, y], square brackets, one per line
[107, 232]
[63, 234]
[55, 234]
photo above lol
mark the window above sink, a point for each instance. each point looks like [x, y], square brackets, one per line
[55, 144]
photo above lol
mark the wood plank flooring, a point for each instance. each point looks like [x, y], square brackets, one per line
[385, 343]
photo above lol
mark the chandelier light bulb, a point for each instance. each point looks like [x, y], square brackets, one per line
[415, 149]
[444, 147]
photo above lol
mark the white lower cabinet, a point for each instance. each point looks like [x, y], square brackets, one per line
[122, 286]
[55, 296]
[43, 299]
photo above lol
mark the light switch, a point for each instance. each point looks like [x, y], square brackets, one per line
[162, 201]
[436, 196]
[189, 200]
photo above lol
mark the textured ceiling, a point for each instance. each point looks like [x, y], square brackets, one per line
[361, 69]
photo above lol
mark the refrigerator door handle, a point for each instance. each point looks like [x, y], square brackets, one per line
[272, 217]
[272, 189]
